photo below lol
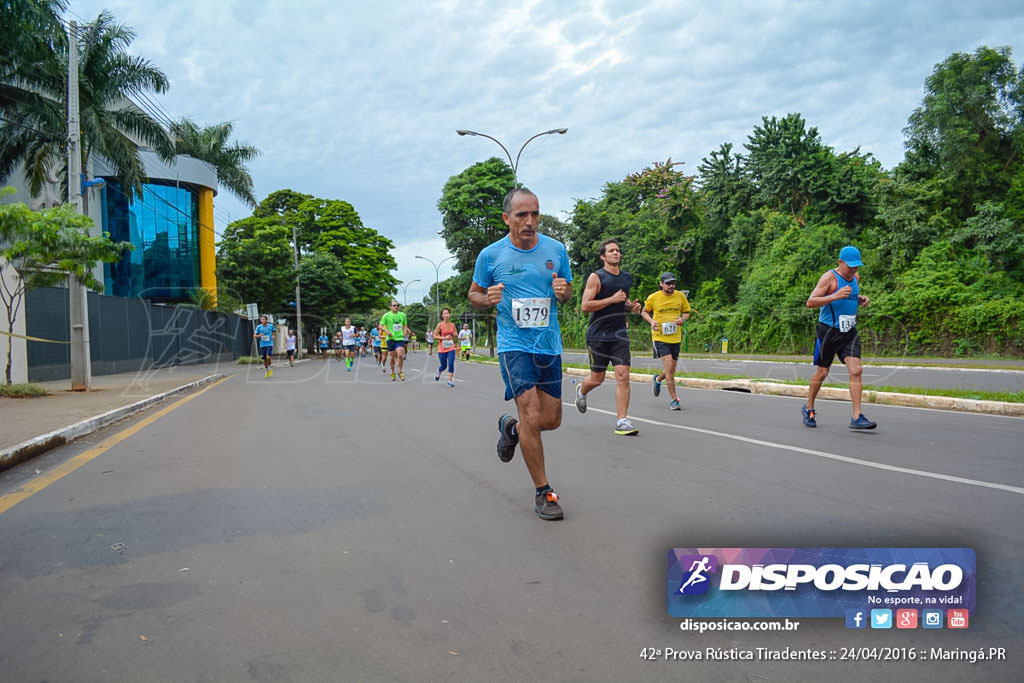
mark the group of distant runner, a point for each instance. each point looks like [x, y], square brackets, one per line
[524, 275]
[387, 341]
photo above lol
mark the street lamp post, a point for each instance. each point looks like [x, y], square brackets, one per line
[437, 283]
[405, 290]
[515, 164]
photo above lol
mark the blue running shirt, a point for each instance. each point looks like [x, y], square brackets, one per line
[528, 311]
[842, 314]
[266, 333]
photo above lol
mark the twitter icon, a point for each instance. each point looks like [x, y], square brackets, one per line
[881, 618]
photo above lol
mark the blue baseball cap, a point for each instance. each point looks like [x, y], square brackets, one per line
[850, 255]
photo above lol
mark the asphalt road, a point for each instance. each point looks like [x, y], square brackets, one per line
[877, 372]
[327, 526]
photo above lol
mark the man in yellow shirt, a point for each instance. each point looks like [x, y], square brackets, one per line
[666, 310]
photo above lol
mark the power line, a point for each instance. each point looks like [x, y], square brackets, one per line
[45, 136]
[153, 109]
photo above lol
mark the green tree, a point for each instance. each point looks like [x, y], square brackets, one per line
[32, 32]
[418, 318]
[255, 263]
[783, 157]
[991, 232]
[260, 247]
[969, 127]
[325, 289]
[45, 248]
[554, 228]
[725, 189]
[210, 144]
[35, 129]
[470, 207]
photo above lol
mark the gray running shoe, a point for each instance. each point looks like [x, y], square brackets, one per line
[547, 506]
[508, 439]
[581, 400]
[625, 428]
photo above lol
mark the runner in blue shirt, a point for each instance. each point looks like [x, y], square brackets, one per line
[526, 275]
[838, 296]
[265, 335]
[323, 341]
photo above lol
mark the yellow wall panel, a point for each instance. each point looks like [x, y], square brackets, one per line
[207, 250]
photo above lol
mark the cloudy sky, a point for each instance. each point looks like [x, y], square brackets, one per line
[360, 100]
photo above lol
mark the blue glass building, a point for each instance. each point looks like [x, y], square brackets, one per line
[171, 228]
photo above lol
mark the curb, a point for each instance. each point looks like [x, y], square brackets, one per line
[9, 457]
[753, 386]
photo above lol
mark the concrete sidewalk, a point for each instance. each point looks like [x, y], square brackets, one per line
[25, 419]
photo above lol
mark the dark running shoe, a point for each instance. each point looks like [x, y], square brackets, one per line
[862, 423]
[657, 387]
[547, 505]
[508, 440]
[809, 420]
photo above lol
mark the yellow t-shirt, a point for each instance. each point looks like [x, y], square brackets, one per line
[666, 310]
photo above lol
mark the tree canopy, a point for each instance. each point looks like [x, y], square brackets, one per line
[34, 97]
[210, 144]
[345, 265]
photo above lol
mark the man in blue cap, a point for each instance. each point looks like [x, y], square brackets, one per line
[838, 296]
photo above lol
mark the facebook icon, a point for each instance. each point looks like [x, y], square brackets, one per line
[856, 618]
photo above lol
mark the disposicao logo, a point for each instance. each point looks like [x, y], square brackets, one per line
[817, 582]
[696, 581]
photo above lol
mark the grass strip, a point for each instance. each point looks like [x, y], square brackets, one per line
[1005, 397]
[26, 390]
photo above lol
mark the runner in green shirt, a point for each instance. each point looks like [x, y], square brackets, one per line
[397, 328]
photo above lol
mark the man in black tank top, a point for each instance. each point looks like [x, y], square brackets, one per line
[606, 298]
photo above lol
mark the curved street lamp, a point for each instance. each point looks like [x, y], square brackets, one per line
[515, 164]
[405, 291]
[437, 283]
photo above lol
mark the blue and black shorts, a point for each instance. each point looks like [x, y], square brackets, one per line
[831, 342]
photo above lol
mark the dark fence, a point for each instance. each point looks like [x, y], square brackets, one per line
[127, 335]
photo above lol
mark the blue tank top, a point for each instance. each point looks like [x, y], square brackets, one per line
[837, 313]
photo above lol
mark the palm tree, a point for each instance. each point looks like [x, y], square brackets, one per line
[34, 130]
[210, 144]
[30, 31]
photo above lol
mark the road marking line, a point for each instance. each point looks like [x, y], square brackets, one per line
[822, 454]
[66, 468]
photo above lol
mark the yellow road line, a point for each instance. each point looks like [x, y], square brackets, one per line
[66, 468]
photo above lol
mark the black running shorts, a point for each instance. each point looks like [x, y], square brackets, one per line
[602, 353]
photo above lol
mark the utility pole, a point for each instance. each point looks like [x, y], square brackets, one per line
[298, 292]
[78, 296]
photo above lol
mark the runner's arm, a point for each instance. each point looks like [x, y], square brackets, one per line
[821, 297]
[485, 298]
[589, 304]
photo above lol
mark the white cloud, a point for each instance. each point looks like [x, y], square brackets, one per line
[360, 101]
